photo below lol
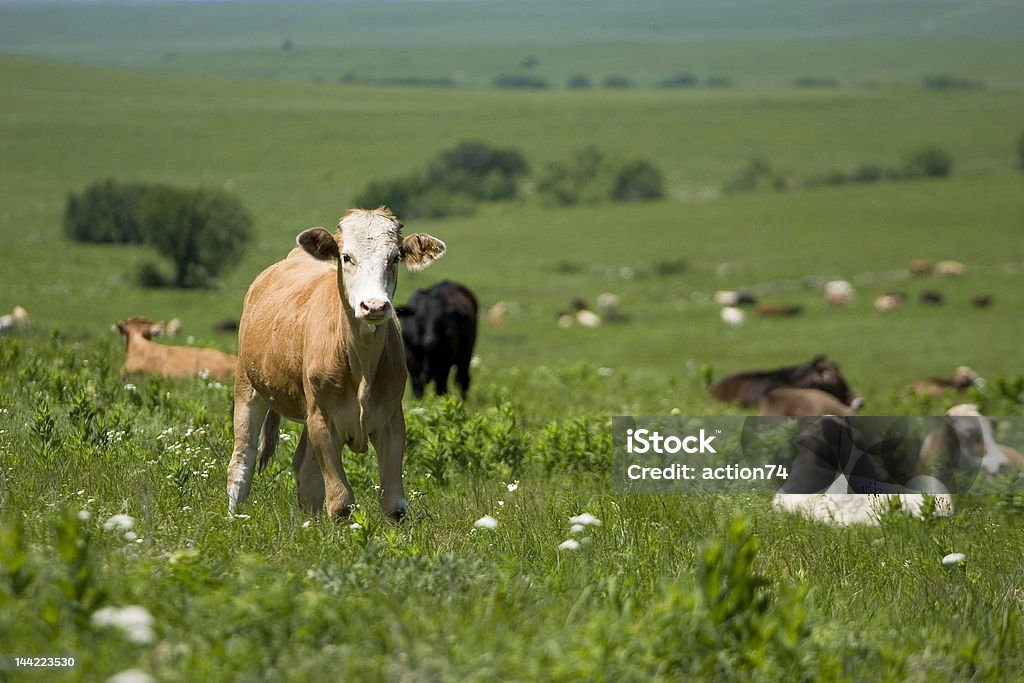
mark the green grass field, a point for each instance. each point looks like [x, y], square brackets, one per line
[668, 586]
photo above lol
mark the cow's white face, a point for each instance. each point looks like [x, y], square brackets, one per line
[368, 247]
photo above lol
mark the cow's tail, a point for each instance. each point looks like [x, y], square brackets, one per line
[269, 436]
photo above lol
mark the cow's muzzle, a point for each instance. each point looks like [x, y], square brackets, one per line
[374, 310]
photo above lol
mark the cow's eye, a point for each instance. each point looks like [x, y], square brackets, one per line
[345, 258]
[395, 259]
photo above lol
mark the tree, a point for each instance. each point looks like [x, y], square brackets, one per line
[105, 212]
[203, 232]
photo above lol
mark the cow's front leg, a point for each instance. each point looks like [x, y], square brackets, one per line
[309, 480]
[327, 450]
[389, 443]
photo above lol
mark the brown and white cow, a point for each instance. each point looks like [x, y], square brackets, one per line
[965, 441]
[318, 341]
[144, 356]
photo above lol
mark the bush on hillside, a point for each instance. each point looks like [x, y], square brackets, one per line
[519, 81]
[930, 162]
[589, 177]
[638, 180]
[579, 81]
[105, 212]
[453, 182]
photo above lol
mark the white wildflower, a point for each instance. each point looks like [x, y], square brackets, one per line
[355, 525]
[953, 559]
[84, 515]
[577, 528]
[129, 387]
[119, 522]
[569, 544]
[305, 525]
[131, 676]
[486, 522]
[135, 621]
[586, 519]
[513, 486]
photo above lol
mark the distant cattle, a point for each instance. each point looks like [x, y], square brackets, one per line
[783, 311]
[936, 387]
[747, 388]
[981, 300]
[839, 292]
[950, 269]
[145, 356]
[226, 325]
[930, 297]
[921, 267]
[318, 341]
[791, 402]
[439, 326]
[732, 315]
[14, 321]
[965, 441]
[890, 302]
[728, 297]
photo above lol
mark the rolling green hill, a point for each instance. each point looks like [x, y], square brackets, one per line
[296, 154]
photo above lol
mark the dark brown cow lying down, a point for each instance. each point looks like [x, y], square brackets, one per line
[747, 388]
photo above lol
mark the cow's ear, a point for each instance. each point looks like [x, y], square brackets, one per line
[404, 311]
[419, 251]
[319, 244]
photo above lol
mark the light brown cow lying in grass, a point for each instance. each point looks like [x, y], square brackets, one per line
[936, 387]
[795, 402]
[144, 356]
[319, 341]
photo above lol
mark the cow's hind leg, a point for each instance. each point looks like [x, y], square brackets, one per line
[327, 450]
[308, 478]
[250, 411]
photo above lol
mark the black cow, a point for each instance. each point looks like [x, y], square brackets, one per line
[439, 331]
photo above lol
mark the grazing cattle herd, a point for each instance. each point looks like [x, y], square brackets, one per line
[321, 341]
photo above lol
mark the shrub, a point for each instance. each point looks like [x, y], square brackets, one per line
[519, 81]
[948, 82]
[203, 232]
[579, 81]
[718, 82]
[638, 180]
[585, 178]
[815, 82]
[105, 212]
[682, 80]
[589, 177]
[478, 170]
[930, 162]
[452, 183]
[617, 82]
[751, 177]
